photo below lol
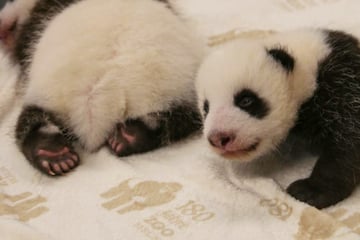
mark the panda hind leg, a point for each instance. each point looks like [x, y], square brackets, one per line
[131, 137]
[42, 142]
[153, 130]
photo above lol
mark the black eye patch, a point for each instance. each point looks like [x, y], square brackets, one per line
[206, 107]
[251, 103]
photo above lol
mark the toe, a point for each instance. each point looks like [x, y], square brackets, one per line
[70, 163]
[46, 167]
[64, 166]
[119, 148]
[75, 159]
[56, 168]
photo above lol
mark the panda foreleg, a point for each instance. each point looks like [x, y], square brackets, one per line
[154, 130]
[333, 179]
[42, 142]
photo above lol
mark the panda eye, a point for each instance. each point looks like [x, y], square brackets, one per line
[250, 102]
[206, 107]
[245, 102]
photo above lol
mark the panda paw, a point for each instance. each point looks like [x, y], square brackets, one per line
[131, 137]
[56, 162]
[313, 194]
[120, 140]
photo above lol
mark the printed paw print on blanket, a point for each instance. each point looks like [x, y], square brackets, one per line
[138, 196]
[295, 5]
[24, 206]
[314, 224]
[348, 218]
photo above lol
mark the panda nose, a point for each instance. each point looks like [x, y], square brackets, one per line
[221, 139]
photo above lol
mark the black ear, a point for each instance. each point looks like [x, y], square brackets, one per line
[282, 57]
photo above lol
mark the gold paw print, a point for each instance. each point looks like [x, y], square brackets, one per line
[25, 206]
[140, 195]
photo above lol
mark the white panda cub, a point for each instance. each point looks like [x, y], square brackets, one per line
[118, 73]
[304, 83]
[12, 16]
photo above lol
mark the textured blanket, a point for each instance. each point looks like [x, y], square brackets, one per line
[183, 191]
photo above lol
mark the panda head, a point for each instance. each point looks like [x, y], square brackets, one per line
[249, 94]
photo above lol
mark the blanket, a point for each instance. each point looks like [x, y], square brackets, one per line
[183, 191]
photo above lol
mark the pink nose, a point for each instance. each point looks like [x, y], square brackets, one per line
[221, 139]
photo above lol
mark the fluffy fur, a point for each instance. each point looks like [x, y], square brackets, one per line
[12, 16]
[131, 69]
[93, 66]
[309, 82]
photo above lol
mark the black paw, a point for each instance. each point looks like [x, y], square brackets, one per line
[132, 137]
[56, 162]
[313, 194]
[50, 153]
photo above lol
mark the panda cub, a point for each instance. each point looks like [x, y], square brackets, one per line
[256, 94]
[118, 73]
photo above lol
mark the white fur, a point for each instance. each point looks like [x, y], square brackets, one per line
[18, 10]
[50, 129]
[245, 64]
[100, 62]
[8, 79]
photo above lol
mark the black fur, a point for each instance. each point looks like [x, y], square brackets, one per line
[3, 3]
[251, 103]
[163, 1]
[179, 122]
[282, 57]
[31, 139]
[173, 125]
[168, 5]
[53, 153]
[206, 108]
[32, 118]
[330, 122]
[31, 30]
[35, 25]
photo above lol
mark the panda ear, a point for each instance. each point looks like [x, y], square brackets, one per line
[281, 56]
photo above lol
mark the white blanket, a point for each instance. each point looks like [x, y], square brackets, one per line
[183, 191]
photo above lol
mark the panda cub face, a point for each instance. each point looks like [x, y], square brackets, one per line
[247, 97]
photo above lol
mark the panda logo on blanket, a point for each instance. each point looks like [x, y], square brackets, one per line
[304, 83]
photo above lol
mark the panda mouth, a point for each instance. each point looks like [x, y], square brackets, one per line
[252, 147]
[242, 151]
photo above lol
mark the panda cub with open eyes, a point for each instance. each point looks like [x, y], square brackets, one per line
[303, 83]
